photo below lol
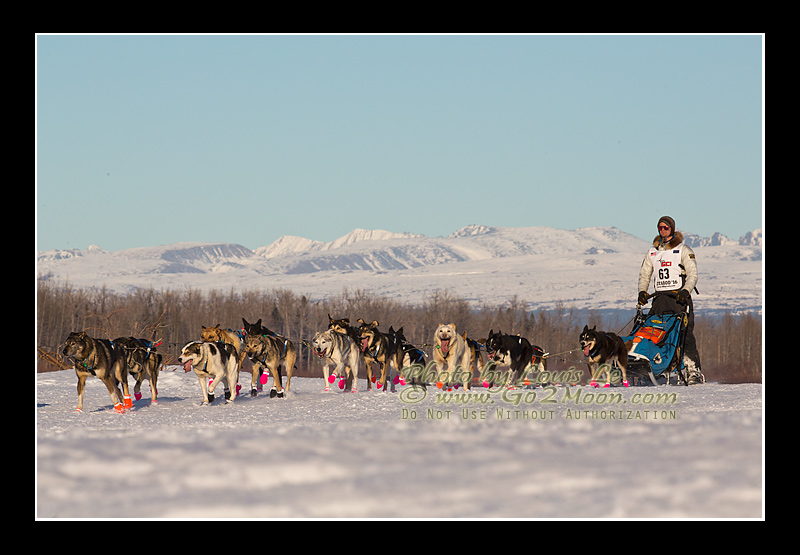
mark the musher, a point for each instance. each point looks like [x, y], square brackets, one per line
[676, 271]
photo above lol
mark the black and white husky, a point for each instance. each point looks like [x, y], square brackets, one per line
[413, 363]
[510, 350]
[214, 361]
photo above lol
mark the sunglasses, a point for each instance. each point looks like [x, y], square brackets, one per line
[663, 227]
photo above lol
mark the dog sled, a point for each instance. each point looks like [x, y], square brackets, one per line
[656, 345]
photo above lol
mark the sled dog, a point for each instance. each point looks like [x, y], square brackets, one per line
[255, 329]
[412, 358]
[270, 352]
[451, 357]
[103, 359]
[509, 350]
[215, 334]
[214, 361]
[601, 349]
[539, 359]
[143, 362]
[342, 325]
[377, 347]
[411, 353]
[340, 351]
[475, 356]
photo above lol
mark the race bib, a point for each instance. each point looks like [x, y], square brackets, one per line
[667, 269]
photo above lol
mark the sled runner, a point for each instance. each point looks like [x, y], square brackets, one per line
[655, 344]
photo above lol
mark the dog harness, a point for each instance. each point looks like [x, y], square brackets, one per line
[283, 353]
[596, 349]
[88, 368]
[510, 348]
[370, 353]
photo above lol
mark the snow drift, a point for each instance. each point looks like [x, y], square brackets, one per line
[666, 452]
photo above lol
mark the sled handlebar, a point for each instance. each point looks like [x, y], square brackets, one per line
[672, 294]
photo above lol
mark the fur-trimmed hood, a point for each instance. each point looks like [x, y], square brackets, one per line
[676, 240]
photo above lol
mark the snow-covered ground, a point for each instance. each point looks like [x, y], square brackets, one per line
[562, 453]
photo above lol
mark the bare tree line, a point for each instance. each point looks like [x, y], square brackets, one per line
[730, 346]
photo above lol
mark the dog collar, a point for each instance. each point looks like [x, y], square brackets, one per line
[86, 365]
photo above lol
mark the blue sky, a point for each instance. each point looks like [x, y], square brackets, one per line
[152, 140]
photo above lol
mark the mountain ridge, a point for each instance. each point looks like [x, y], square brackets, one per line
[292, 244]
[593, 267]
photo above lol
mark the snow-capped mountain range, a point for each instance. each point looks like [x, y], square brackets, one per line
[593, 268]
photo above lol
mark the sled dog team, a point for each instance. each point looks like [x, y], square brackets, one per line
[342, 349]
